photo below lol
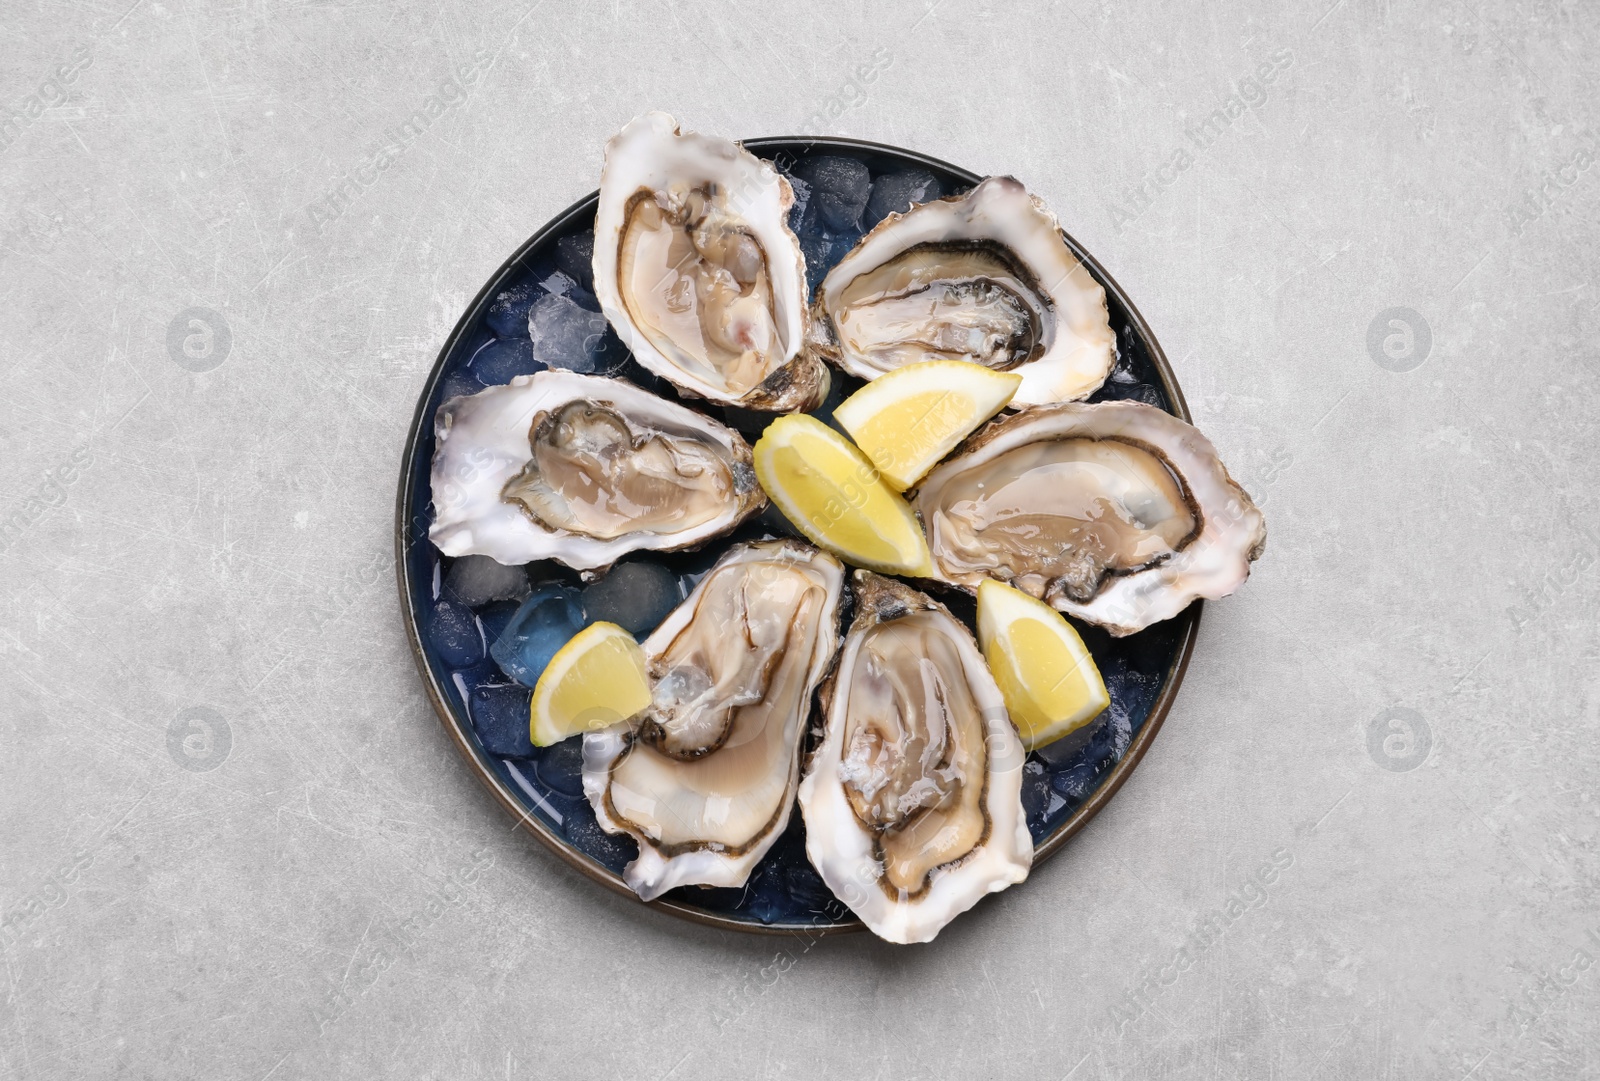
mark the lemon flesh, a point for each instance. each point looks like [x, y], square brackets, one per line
[594, 681]
[1050, 682]
[833, 495]
[907, 420]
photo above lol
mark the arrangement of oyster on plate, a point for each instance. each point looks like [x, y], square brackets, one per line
[582, 469]
[696, 268]
[1117, 513]
[983, 277]
[918, 760]
[912, 802]
[704, 780]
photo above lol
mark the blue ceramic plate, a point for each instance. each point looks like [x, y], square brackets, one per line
[486, 715]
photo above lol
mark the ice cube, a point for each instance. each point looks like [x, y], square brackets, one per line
[611, 357]
[1114, 391]
[457, 383]
[477, 580]
[566, 335]
[575, 255]
[559, 283]
[1069, 749]
[508, 315]
[842, 243]
[1064, 751]
[560, 768]
[788, 889]
[1122, 371]
[784, 885]
[499, 714]
[802, 200]
[818, 250]
[544, 623]
[495, 617]
[503, 360]
[453, 634]
[583, 298]
[1040, 802]
[610, 850]
[635, 596]
[1078, 782]
[840, 186]
[895, 193]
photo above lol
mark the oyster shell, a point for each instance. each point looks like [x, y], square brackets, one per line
[984, 277]
[1117, 513]
[582, 469]
[696, 268]
[705, 779]
[913, 799]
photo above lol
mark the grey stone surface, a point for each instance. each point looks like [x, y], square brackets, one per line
[236, 842]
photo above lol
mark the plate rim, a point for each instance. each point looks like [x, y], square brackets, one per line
[405, 538]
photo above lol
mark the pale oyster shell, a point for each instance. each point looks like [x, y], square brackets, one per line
[1036, 467]
[913, 799]
[696, 268]
[689, 478]
[984, 277]
[705, 780]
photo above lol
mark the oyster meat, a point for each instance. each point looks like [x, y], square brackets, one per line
[913, 799]
[984, 277]
[582, 469]
[705, 779]
[696, 268]
[1117, 513]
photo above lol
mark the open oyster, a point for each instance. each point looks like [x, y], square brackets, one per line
[913, 800]
[582, 469]
[705, 779]
[1117, 513]
[983, 277]
[696, 268]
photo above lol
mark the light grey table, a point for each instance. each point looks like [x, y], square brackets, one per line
[1365, 232]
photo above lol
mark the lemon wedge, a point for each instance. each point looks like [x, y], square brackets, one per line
[833, 495]
[907, 420]
[1046, 675]
[594, 681]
